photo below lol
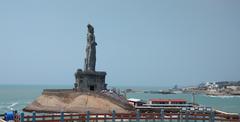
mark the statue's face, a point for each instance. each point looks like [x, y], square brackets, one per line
[90, 28]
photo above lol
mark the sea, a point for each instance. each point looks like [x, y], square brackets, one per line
[16, 97]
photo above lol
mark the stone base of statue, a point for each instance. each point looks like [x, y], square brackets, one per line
[90, 81]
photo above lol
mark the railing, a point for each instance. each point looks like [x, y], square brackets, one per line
[130, 117]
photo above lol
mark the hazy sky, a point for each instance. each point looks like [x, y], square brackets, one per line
[140, 43]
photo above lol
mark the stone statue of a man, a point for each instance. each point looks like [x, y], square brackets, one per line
[90, 60]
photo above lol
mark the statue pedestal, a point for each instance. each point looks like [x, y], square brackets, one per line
[90, 80]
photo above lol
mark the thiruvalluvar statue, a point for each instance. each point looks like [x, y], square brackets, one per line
[90, 60]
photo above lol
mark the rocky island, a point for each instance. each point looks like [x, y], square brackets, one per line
[90, 91]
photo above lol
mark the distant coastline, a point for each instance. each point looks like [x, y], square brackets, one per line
[221, 88]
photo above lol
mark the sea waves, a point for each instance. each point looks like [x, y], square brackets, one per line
[11, 106]
[5, 107]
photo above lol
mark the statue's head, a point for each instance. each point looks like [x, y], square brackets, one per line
[90, 28]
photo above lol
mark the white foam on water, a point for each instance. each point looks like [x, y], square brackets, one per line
[11, 107]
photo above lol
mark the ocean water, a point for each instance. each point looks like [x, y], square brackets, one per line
[16, 97]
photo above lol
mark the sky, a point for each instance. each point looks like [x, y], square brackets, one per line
[140, 43]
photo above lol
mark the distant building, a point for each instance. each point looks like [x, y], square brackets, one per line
[135, 102]
[234, 88]
[210, 86]
[224, 84]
